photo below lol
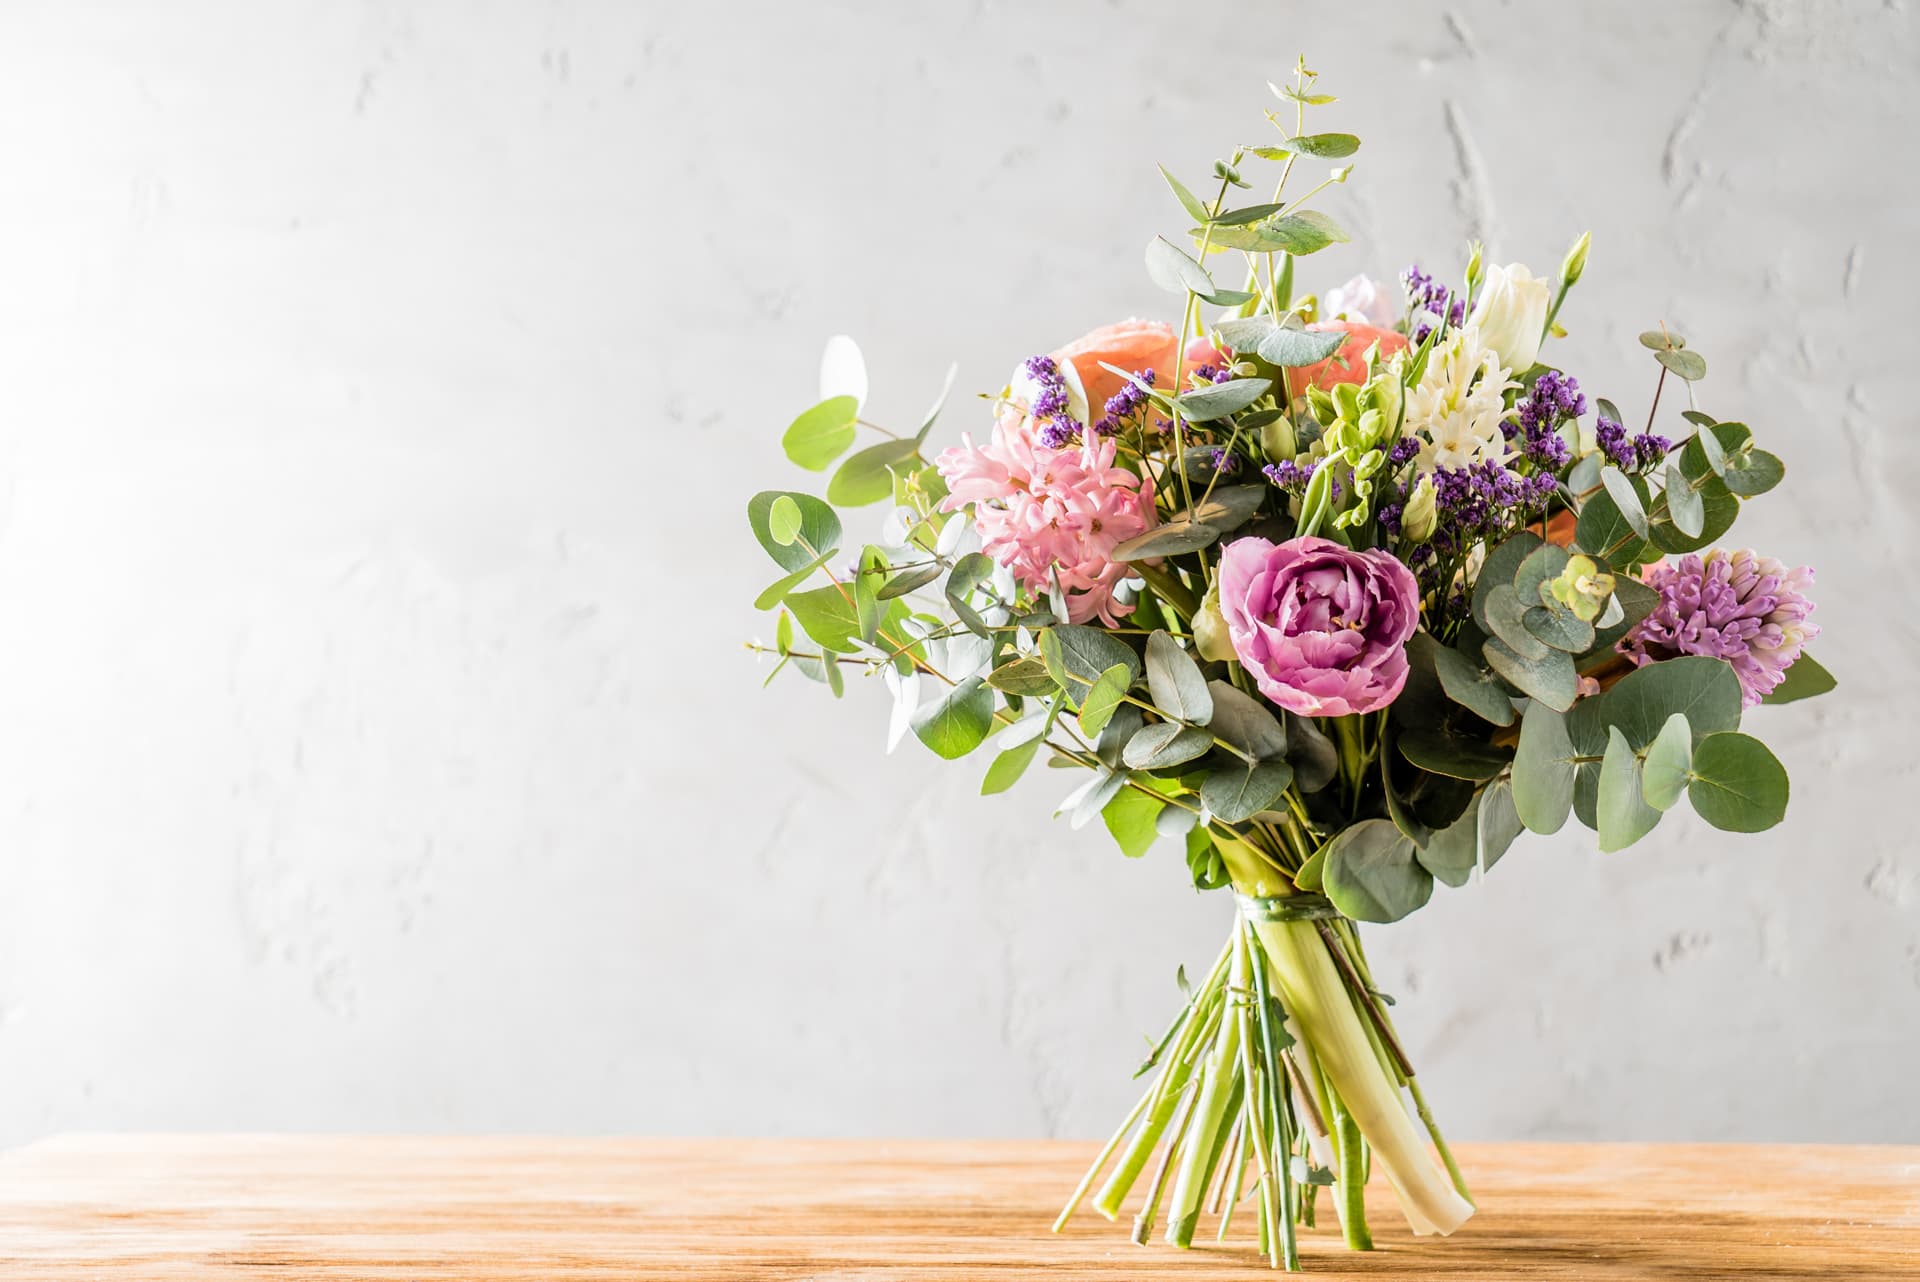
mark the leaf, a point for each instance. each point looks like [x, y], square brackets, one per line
[1236, 793]
[1550, 680]
[1131, 817]
[1440, 753]
[1174, 270]
[1102, 697]
[1188, 201]
[1299, 233]
[1250, 214]
[1164, 744]
[867, 477]
[1691, 366]
[1703, 690]
[1636, 601]
[1008, 766]
[1452, 853]
[866, 585]
[1373, 873]
[1507, 619]
[819, 528]
[1314, 759]
[1543, 770]
[1738, 785]
[907, 580]
[968, 573]
[1604, 531]
[1229, 506]
[1171, 539]
[1175, 683]
[1626, 499]
[1542, 564]
[1684, 505]
[1204, 865]
[1754, 472]
[940, 402]
[1112, 745]
[821, 434]
[1091, 797]
[1325, 146]
[958, 721]
[1085, 654]
[1658, 340]
[1624, 815]
[1299, 347]
[1244, 333]
[1499, 822]
[1500, 567]
[1559, 627]
[1205, 404]
[1804, 680]
[827, 615]
[1024, 676]
[776, 591]
[1245, 722]
[843, 372]
[1663, 772]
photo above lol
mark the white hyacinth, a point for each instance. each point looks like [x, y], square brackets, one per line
[1456, 408]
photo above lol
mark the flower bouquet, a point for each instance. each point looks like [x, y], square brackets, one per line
[1340, 594]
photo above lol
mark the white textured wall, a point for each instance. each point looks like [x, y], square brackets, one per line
[380, 390]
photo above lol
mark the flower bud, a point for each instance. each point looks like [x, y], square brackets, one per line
[1421, 516]
[1576, 260]
[1210, 637]
[1278, 441]
[1475, 265]
[1511, 315]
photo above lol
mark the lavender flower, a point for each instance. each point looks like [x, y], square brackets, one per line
[1426, 297]
[1748, 609]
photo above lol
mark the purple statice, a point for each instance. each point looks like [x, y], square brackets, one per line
[1748, 609]
[1402, 451]
[1289, 475]
[1389, 515]
[1124, 404]
[1553, 399]
[1478, 502]
[1426, 297]
[1640, 453]
[1211, 374]
[1050, 403]
[1224, 464]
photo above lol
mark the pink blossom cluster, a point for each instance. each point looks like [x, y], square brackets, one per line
[1040, 510]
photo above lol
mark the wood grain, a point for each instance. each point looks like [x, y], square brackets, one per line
[295, 1207]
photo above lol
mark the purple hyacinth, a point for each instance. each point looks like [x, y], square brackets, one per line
[1748, 609]
[1124, 404]
[1426, 297]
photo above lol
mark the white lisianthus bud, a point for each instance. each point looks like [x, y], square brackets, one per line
[1576, 260]
[1421, 515]
[1362, 299]
[1512, 314]
[1476, 260]
[1210, 637]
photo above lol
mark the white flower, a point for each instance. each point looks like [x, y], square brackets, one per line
[1456, 408]
[1363, 299]
[1512, 314]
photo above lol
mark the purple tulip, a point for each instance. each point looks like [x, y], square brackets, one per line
[1322, 628]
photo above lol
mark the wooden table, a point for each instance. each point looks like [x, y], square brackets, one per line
[292, 1207]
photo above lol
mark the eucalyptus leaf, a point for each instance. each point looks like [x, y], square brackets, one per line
[1805, 679]
[867, 476]
[1754, 472]
[1174, 270]
[1175, 683]
[1543, 770]
[1452, 853]
[969, 572]
[821, 434]
[1246, 723]
[1085, 653]
[819, 528]
[1624, 815]
[1684, 505]
[1132, 819]
[1024, 676]
[1737, 784]
[828, 615]
[1373, 873]
[908, 580]
[1229, 506]
[1691, 366]
[1314, 759]
[1164, 744]
[1102, 698]
[1626, 499]
[1669, 758]
[776, 591]
[1559, 627]
[1325, 146]
[958, 721]
[1300, 347]
[1467, 683]
[1499, 568]
[1499, 822]
[1008, 766]
[1236, 793]
[1188, 201]
[1170, 539]
[1305, 232]
[1218, 400]
[1440, 753]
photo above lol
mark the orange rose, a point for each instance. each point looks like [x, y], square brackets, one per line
[1131, 345]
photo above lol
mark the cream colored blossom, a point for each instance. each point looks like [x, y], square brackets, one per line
[1456, 408]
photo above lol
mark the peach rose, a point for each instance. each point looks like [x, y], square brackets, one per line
[1131, 345]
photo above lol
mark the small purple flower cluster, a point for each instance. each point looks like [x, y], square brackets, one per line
[1124, 404]
[1426, 297]
[1640, 453]
[1471, 504]
[1402, 452]
[1211, 374]
[1553, 399]
[1224, 464]
[1289, 475]
[1050, 402]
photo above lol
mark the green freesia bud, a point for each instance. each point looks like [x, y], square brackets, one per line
[1576, 259]
[1278, 441]
[1422, 513]
[1210, 637]
[1476, 254]
[1581, 587]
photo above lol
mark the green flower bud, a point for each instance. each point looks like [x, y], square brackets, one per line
[1576, 259]
[1210, 636]
[1278, 441]
[1422, 513]
[1476, 253]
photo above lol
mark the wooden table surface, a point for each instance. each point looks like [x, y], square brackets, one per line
[291, 1207]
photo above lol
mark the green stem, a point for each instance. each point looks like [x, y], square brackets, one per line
[1350, 1151]
[1209, 1112]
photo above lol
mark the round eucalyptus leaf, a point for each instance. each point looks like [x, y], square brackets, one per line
[1221, 399]
[1663, 772]
[1174, 270]
[1624, 815]
[1164, 744]
[1170, 539]
[1684, 506]
[819, 528]
[1236, 793]
[1175, 683]
[1559, 627]
[1246, 722]
[1754, 472]
[1507, 617]
[1627, 497]
[867, 477]
[1550, 679]
[1804, 679]
[1543, 563]
[958, 721]
[1659, 340]
[1452, 853]
[821, 434]
[1738, 785]
[1501, 565]
[1468, 684]
[1543, 770]
[1373, 873]
[1691, 366]
[1440, 753]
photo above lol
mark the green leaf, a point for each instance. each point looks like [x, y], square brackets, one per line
[1245, 722]
[969, 572]
[1228, 507]
[1325, 146]
[1467, 683]
[1170, 539]
[821, 434]
[1543, 770]
[1440, 753]
[1550, 680]
[1604, 531]
[1684, 505]
[1236, 793]
[1626, 499]
[1164, 744]
[1102, 697]
[1188, 201]
[1452, 853]
[907, 580]
[1691, 366]
[1625, 817]
[776, 591]
[1657, 340]
[1500, 567]
[1663, 772]
[1542, 564]
[1175, 683]
[1314, 759]
[819, 529]
[1304, 232]
[783, 521]
[1559, 628]
[1300, 347]
[1131, 817]
[1754, 472]
[1636, 603]
[1250, 214]
[1373, 873]
[1204, 865]
[1026, 675]
[827, 615]
[867, 477]
[1499, 822]
[1507, 620]
[1008, 766]
[1174, 270]
[1703, 690]
[1221, 399]
[866, 590]
[1738, 785]
[1084, 654]
[958, 721]
[1804, 680]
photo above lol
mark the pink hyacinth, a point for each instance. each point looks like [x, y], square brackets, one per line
[1040, 509]
[1748, 609]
